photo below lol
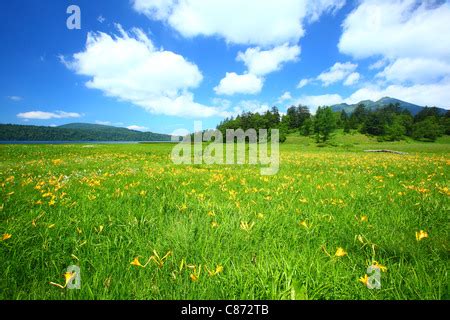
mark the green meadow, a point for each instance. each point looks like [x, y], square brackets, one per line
[140, 227]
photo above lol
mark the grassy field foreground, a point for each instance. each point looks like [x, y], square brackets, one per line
[224, 232]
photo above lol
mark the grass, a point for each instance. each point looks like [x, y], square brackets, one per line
[101, 206]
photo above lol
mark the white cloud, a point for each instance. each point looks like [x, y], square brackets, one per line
[103, 123]
[138, 128]
[108, 123]
[417, 70]
[303, 82]
[320, 100]
[338, 72]
[284, 97]
[15, 98]
[253, 22]
[42, 115]
[158, 9]
[393, 29]
[234, 83]
[352, 79]
[317, 7]
[222, 104]
[129, 67]
[261, 62]
[421, 94]
[410, 38]
[378, 64]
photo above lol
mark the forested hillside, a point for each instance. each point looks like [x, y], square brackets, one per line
[75, 132]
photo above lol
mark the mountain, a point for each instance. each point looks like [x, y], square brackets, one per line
[76, 132]
[383, 102]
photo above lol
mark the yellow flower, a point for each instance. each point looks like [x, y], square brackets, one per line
[193, 277]
[364, 219]
[364, 280]
[214, 224]
[421, 235]
[143, 193]
[6, 236]
[68, 276]
[360, 238]
[211, 214]
[340, 252]
[304, 224]
[218, 270]
[379, 266]
[136, 262]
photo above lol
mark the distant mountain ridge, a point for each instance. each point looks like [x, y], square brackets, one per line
[383, 102]
[76, 132]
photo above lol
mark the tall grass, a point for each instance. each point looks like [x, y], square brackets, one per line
[275, 237]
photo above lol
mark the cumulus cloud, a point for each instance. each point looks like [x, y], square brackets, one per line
[393, 29]
[253, 22]
[437, 94]
[274, 27]
[108, 123]
[42, 115]
[234, 83]
[414, 50]
[303, 82]
[338, 72]
[260, 62]
[129, 67]
[378, 64]
[285, 97]
[319, 100]
[421, 94]
[416, 70]
[317, 7]
[352, 79]
[138, 128]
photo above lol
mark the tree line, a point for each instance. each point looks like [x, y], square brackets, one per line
[10, 132]
[389, 123]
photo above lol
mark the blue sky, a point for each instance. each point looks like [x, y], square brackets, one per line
[159, 65]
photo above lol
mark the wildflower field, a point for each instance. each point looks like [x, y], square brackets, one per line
[140, 227]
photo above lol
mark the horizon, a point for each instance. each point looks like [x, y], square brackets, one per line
[138, 65]
[175, 132]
